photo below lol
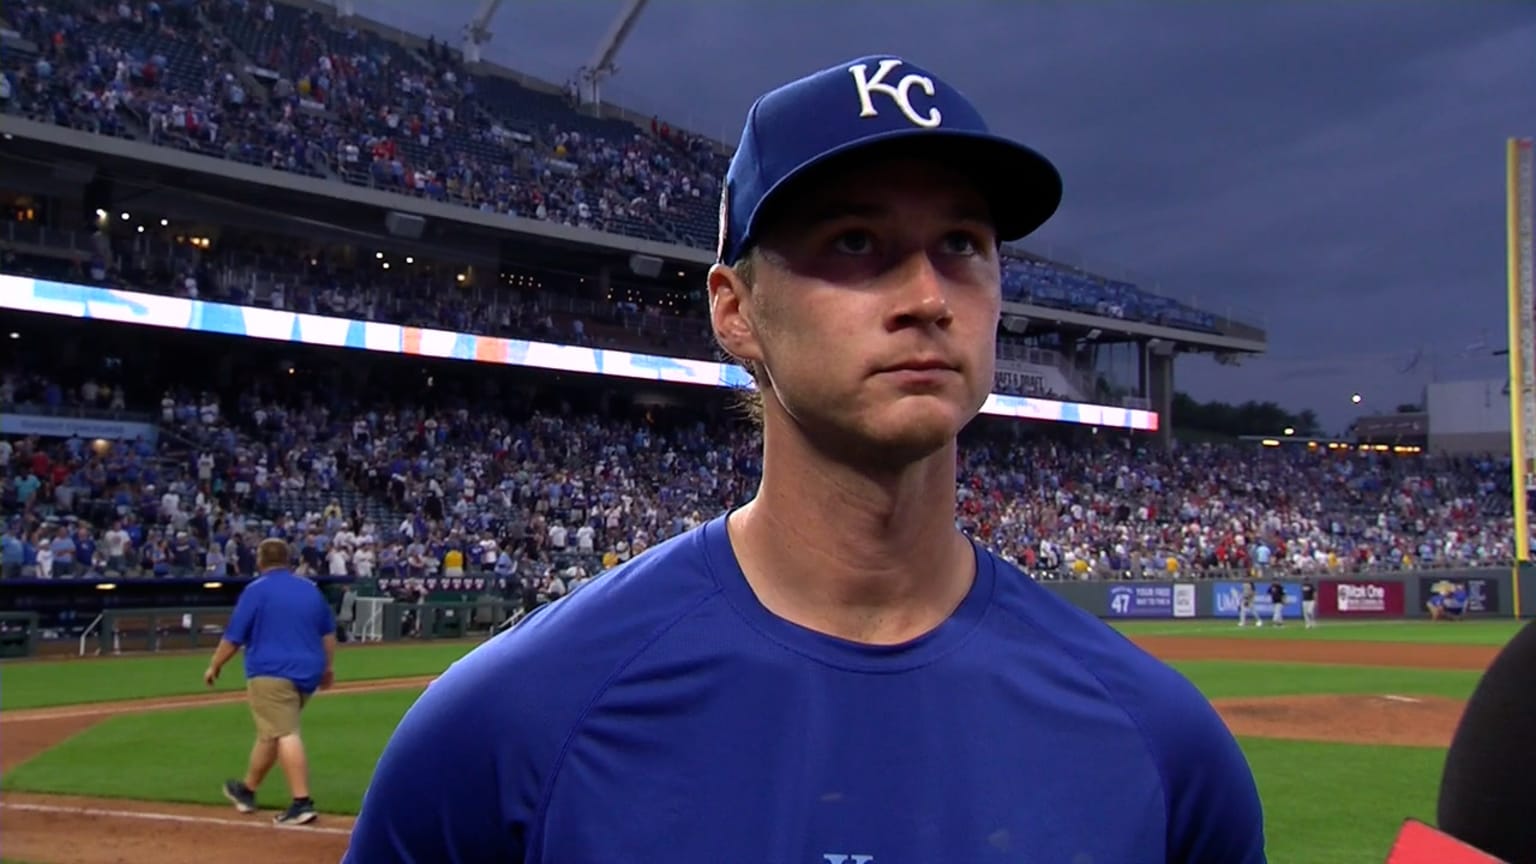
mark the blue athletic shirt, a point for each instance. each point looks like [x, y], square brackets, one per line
[281, 619]
[662, 714]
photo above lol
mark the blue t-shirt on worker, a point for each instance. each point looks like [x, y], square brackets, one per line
[281, 620]
[662, 713]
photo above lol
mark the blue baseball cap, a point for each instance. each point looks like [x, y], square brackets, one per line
[874, 102]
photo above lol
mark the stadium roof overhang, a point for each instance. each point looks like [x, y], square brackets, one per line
[44, 158]
[206, 187]
[1238, 338]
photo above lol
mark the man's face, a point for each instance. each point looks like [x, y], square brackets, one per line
[860, 281]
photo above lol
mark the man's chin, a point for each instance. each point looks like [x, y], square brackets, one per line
[911, 433]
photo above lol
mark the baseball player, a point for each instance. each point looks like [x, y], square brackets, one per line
[1245, 606]
[288, 632]
[832, 671]
[1308, 603]
[1277, 603]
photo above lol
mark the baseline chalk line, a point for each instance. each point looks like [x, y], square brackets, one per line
[1394, 698]
[264, 823]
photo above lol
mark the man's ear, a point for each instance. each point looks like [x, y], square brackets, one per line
[731, 314]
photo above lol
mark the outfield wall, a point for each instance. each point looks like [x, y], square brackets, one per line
[1490, 594]
[157, 615]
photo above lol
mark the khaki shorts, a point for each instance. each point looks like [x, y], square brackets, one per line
[275, 706]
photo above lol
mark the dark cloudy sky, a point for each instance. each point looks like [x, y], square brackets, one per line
[1332, 171]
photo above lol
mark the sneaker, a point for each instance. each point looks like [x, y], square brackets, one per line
[243, 798]
[298, 813]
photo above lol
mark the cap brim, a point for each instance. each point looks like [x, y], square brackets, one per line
[1022, 187]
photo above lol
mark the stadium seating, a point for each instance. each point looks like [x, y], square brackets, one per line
[337, 101]
[565, 496]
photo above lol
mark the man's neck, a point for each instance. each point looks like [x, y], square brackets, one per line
[867, 558]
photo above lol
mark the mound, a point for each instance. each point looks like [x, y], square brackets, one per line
[1415, 721]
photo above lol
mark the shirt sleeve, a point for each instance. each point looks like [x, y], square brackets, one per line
[452, 786]
[1214, 813]
[244, 617]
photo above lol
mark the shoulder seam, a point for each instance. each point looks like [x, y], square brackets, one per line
[1146, 741]
[565, 745]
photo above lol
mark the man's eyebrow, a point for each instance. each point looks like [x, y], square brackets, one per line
[832, 211]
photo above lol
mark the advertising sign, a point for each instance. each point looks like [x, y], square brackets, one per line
[1184, 600]
[1020, 379]
[1356, 598]
[1141, 601]
[1482, 594]
[1228, 595]
[49, 426]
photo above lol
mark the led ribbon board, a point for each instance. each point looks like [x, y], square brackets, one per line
[201, 316]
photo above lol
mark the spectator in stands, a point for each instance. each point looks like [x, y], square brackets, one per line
[372, 486]
[339, 102]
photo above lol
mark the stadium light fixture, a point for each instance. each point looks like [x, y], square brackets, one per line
[410, 260]
[141, 229]
[165, 223]
[1356, 398]
[1290, 430]
[15, 335]
[100, 213]
[125, 215]
[379, 255]
[385, 265]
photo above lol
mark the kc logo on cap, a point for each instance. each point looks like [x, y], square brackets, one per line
[809, 122]
[900, 92]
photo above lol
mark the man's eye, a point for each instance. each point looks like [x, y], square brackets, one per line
[854, 242]
[962, 243]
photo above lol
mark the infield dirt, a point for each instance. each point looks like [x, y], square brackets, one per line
[49, 829]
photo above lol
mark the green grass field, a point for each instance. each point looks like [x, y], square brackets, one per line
[45, 683]
[347, 732]
[1324, 803]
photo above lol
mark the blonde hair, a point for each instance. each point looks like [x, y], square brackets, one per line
[272, 553]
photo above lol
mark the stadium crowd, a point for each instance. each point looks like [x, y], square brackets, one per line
[442, 488]
[269, 84]
[451, 488]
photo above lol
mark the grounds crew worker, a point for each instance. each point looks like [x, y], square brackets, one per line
[288, 632]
